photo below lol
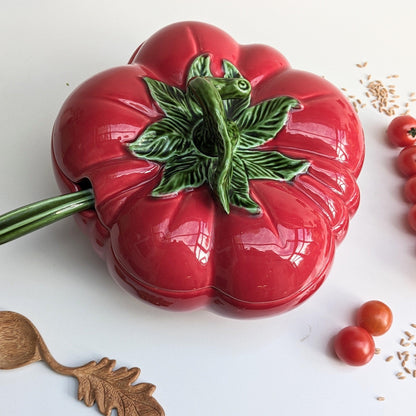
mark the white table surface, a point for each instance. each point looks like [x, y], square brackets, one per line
[203, 364]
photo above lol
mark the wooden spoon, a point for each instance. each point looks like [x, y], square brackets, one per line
[21, 344]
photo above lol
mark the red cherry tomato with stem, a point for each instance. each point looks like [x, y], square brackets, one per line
[406, 161]
[402, 131]
[375, 317]
[354, 346]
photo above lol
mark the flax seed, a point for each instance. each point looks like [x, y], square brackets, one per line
[389, 358]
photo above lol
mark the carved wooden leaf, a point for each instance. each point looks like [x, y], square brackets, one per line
[98, 383]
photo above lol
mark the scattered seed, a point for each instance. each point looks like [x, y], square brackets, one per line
[377, 351]
[389, 358]
[380, 398]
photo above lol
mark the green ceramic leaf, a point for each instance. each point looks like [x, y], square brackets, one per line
[186, 171]
[170, 99]
[260, 123]
[234, 107]
[161, 140]
[230, 71]
[200, 67]
[271, 165]
[239, 195]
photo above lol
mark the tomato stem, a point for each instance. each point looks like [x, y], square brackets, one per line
[210, 92]
[33, 216]
[412, 132]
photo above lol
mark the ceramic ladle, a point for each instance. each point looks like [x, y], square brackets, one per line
[21, 344]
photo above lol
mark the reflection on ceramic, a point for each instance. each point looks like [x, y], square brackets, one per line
[221, 175]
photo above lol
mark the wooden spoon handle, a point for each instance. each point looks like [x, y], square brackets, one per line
[110, 389]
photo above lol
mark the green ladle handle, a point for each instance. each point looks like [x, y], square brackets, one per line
[31, 217]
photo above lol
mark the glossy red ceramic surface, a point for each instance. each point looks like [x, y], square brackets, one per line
[184, 251]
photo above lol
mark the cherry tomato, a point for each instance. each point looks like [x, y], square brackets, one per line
[375, 317]
[406, 161]
[411, 217]
[354, 345]
[402, 131]
[410, 189]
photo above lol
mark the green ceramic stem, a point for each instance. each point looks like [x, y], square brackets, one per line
[31, 217]
[210, 93]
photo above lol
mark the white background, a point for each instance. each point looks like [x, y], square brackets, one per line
[202, 364]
